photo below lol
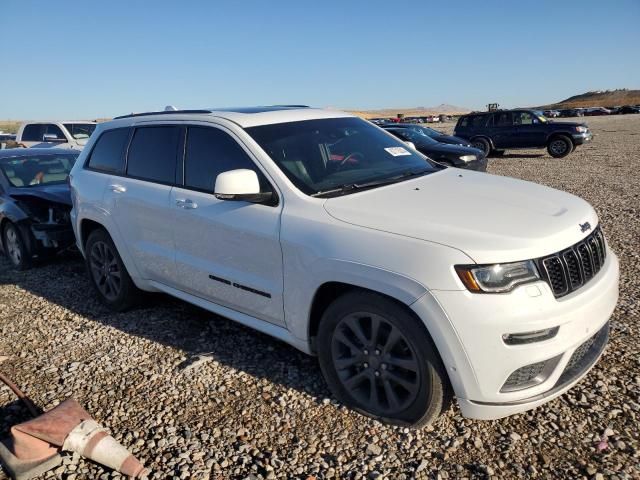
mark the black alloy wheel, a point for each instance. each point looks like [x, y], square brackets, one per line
[378, 359]
[107, 272]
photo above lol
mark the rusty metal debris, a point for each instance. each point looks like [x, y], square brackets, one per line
[34, 446]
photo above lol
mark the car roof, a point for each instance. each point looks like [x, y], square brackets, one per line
[406, 125]
[243, 116]
[58, 121]
[28, 152]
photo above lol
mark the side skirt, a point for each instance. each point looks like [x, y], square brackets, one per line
[270, 329]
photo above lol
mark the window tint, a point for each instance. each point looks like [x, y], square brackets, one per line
[464, 121]
[33, 133]
[209, 152]
[152, 154]
[108, 153]
[523, 118]
[478, 121]
[503, 119]
[55, 130]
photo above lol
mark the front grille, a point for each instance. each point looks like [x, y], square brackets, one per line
[570, 269]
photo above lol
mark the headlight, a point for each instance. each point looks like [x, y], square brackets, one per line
[468, 158]
[581, 129]
[498, 278]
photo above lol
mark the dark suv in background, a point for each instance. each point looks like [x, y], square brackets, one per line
[495, 132]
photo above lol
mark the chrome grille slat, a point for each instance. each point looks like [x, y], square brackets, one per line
[570, 269]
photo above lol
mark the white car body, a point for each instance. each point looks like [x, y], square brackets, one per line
[64, 138]
[401, 240]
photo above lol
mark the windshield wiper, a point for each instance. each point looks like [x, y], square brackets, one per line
[354, 187]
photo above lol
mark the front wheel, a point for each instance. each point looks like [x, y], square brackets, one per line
[15, 247]
[378, 359]
[560, 146]
[107, 272]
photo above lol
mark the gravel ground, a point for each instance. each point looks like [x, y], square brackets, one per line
[196, 396]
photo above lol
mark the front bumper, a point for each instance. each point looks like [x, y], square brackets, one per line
[52, 236]
[469, 335]
[580, 138]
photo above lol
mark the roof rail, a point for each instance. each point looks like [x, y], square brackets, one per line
[164, 112]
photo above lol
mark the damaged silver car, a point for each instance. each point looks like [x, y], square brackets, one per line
[35, 202]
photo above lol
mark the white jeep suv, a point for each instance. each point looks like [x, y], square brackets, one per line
[405, 277]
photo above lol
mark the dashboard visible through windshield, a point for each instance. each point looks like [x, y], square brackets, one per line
[338, 154]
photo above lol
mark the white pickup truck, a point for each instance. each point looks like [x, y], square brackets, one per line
[55, 134]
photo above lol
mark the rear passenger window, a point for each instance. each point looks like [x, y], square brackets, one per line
[209, 152]
[33, 132]
[108, 153]
[478, 121]
[503, 119]
[152, 154]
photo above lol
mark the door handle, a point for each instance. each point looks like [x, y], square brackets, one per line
[117, 188]
[187, 204]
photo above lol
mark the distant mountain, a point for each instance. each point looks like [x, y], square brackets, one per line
[412, 112]
[599, 98]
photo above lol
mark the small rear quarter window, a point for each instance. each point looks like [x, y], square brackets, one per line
[108, 153]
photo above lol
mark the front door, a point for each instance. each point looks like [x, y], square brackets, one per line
[227, 252]
[530, 132]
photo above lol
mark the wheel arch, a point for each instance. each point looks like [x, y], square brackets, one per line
[485, 137]
[86, 227]
[559, 134]
[329, 291]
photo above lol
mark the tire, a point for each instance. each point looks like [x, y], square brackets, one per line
[481, 144]
[559, 146]
[15, 248]
[107, 273]
[411, 385]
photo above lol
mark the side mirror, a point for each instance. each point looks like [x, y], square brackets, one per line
[410, 145]
[52, 138]
[240, 185]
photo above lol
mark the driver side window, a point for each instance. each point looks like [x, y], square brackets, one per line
[209, 152]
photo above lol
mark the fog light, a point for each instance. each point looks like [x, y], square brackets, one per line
[529, 337]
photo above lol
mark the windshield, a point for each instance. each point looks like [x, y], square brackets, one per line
[38, 169]
[80, 131]
[415, 136]
[322, 155]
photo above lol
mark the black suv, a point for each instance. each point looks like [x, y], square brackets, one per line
[493, 132]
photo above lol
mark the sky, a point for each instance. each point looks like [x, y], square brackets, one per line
[84, 60]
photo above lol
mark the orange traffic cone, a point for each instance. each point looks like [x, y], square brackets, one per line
[34, 445]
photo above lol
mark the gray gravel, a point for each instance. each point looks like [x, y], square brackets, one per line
[196, 396]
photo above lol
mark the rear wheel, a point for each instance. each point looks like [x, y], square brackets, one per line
[15, 247]
[378, 359]
[107, 272]
[560, 146]
[481, 144]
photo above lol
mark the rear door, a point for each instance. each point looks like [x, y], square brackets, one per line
[502, 132]
[139, 201]
[227, 252]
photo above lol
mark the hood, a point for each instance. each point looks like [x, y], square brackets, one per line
[58, 193]
[453, 140]
[447, 149]
[568, 124]
[490, 218]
